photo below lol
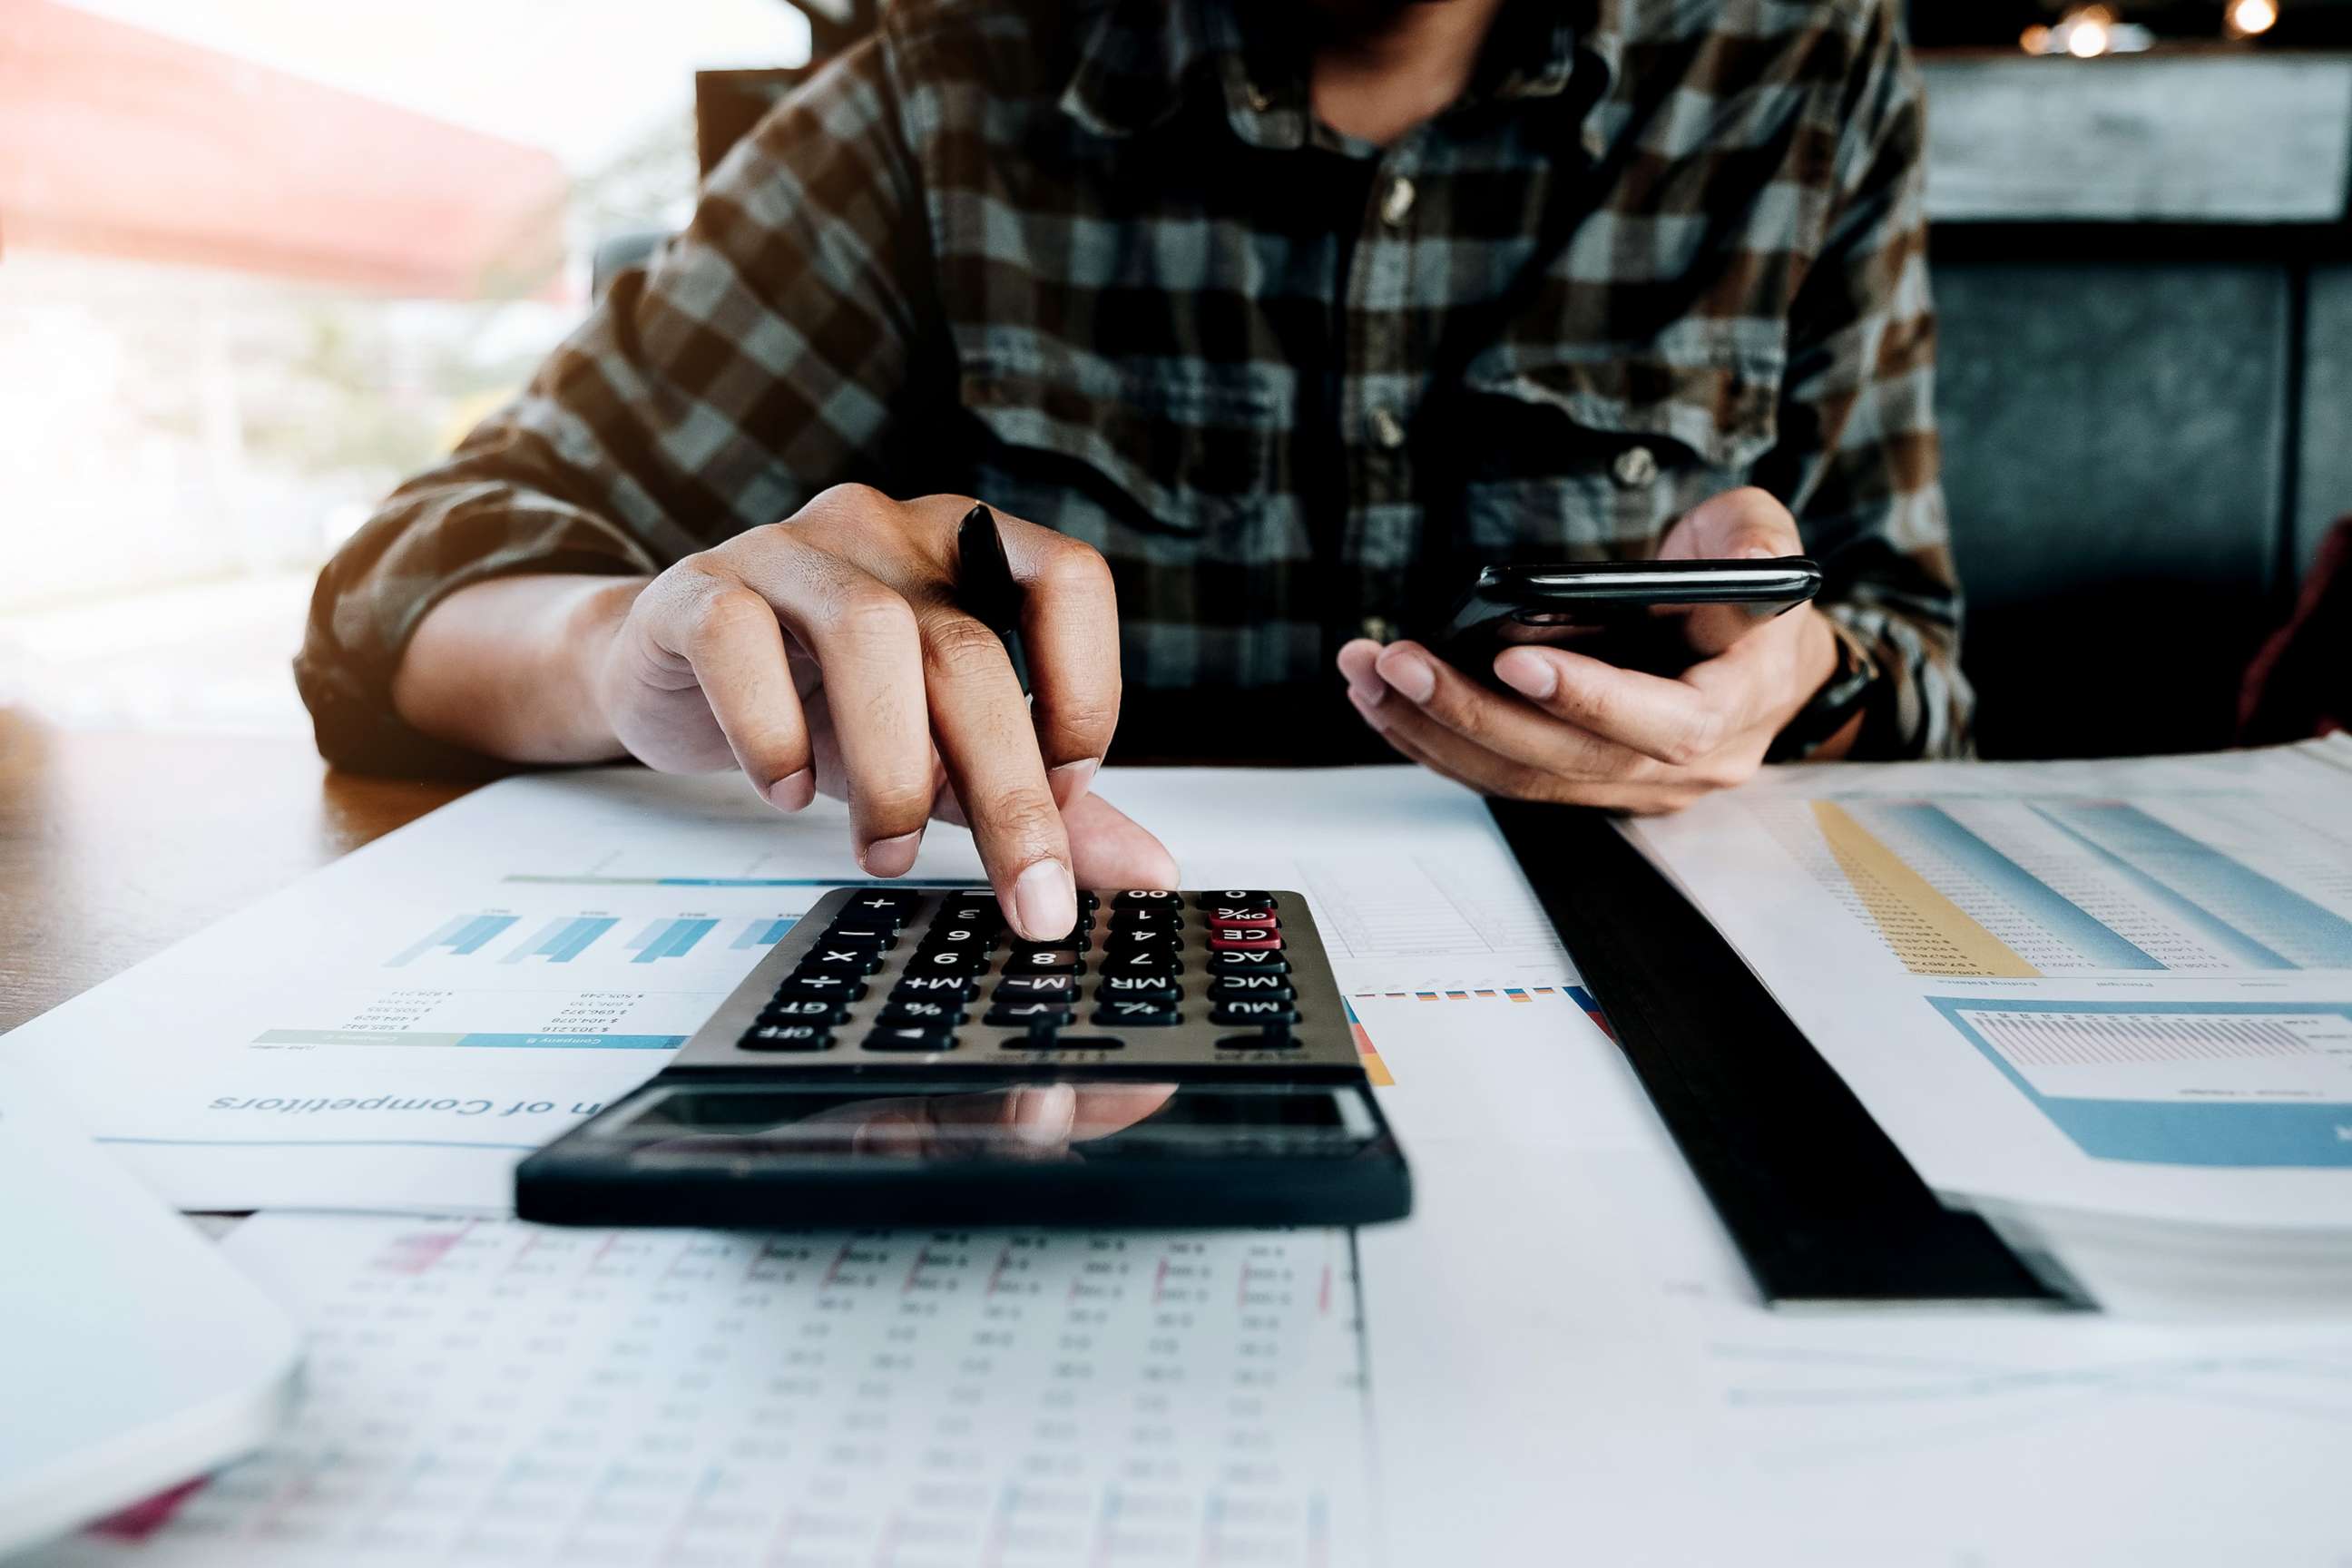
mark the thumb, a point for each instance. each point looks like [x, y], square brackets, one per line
[1109, 849]
[1748, 524]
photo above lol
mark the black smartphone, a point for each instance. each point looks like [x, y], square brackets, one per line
[1662, 617]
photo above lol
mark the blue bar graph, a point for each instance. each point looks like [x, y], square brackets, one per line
[762, 933]
[461, 934]
[669, 939]
[2040, 903]
[560, 939]
[2264, 916]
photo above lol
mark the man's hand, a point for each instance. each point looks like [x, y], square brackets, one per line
[1593, 734]
[826, 651]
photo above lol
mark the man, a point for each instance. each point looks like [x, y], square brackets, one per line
[1283, 316]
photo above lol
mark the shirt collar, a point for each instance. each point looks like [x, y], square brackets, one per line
[1132, 65]
[1142, 56]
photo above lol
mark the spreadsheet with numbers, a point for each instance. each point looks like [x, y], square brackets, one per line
[490, 1391]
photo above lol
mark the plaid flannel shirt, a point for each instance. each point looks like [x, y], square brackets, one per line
[1095, 263]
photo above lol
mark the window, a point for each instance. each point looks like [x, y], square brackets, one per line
[260, 258]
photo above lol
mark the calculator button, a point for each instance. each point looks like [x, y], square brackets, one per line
[1138, 988]
[1148, 916]
[1044, 960]
[1028, 1015]
[935, 1015]
[804, 1010]
[786, 1037]
[830, 987]
[1265, 1010]
[979, 937]
[1143, 942]
[1261, 915]
[829, 955]
[1138, 898]
[935, 988]
[1265, 984]
[1162, 963]
[1138, 1015]
[1249, 896]
[1243, 939]
[1264, 961]
[1065, 1043]
[921, 1040]
[963, 961]
[987, 916]
[884, 904]
[877, 934]
[804, 970]
[1062, 988]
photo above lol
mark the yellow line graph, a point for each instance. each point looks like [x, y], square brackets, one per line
[1931, 935]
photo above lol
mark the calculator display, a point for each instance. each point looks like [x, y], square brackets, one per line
[1047, 1120]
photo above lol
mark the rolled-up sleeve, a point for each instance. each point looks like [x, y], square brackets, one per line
[1857, 460]
[757, 361]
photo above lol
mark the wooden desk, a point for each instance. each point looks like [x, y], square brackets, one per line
[113, 847]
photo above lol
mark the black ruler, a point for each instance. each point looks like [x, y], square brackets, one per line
[1819, 1201]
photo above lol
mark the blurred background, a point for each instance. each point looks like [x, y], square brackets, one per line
[259, 258]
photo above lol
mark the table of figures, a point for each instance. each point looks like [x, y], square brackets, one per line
[496, 1392]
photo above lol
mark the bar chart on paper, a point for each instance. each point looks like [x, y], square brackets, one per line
[2239, 1084]
[561, 939]
[569, 980]
[461, 935]
[2028, 887]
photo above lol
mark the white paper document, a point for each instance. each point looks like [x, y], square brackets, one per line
[395, 1031]
[103, 1291]
[494, 1392]
[1570, 1365]
[2122, 988]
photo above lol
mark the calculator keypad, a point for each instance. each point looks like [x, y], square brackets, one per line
[904, 973]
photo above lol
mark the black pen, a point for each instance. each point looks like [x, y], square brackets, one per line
[984, 588]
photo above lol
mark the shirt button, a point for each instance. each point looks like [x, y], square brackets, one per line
[1379, 628]
[1634, 467]
[1388, 430]
[1257, 97]
[1397, 205]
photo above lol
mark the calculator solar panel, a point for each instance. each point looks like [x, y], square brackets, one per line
[900, 1056]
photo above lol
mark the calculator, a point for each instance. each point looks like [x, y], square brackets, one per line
[900, 1058]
